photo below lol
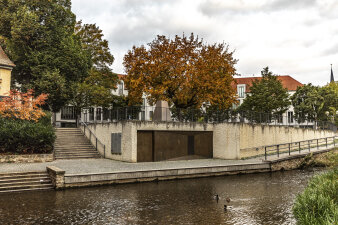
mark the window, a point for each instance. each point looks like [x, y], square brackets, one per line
[290, 117]
[68, 113]
[98, 113]
[106, 114]
[143, 103]
[241, 90]
[120, 87]
[91, 114]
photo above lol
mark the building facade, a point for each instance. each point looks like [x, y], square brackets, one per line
[66, 117]
[6, 67]
[243, 85]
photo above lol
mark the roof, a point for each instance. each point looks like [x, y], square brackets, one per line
[121, 76]
[287, 81]
[4, 60]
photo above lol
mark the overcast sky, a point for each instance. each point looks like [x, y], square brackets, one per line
[294, 37]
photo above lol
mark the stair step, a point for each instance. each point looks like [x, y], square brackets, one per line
[74, 148]
[76, 153]
[29, 189]
[23, 183]
[25, 186]
[72, 144]
[23, 175]
[77, 157]
[15, 178]
[66, 155]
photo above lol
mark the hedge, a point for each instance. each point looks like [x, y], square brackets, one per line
[26, 137]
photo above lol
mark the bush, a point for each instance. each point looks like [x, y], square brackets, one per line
[318, 204]
[26, 137]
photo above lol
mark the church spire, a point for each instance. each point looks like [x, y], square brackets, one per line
[332, 78]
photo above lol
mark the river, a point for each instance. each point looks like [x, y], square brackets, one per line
[265, 198]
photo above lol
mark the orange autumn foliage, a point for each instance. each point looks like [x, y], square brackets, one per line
[22, 106]
[183, 71]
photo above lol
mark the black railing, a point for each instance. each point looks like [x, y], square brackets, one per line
[150, 113]
[92, 138]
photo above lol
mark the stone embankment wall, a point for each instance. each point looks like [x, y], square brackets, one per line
[31, 158]
[228, 138]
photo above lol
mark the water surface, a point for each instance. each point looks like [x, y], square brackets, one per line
[254, 199]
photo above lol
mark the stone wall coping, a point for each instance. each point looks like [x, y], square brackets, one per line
[26, 155]
[26, 158]
[263, 165]
[55, 170]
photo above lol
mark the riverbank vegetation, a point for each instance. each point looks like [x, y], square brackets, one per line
[318, 204]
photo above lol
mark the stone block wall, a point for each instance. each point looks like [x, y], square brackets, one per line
[30, 158]
[57, 177]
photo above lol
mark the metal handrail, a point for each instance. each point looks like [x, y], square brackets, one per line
[134, 113]
[278, 147]
[96, 139]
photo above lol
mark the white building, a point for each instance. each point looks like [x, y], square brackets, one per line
[243, 90]
[66, 117]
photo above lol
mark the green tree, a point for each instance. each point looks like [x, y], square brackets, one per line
[330, 95]
[316, 103]
[96, 89]
[92, 40]
[267, 95]
[39, 37]
[308, 103]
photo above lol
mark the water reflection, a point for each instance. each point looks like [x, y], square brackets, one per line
[255, 199]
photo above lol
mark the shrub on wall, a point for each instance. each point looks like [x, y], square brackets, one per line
[26, 136]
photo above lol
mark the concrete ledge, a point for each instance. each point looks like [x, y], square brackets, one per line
[77, 180]
[57, 176]
[29, 158]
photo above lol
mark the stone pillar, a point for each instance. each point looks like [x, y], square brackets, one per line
[162, 111]
[57, 176]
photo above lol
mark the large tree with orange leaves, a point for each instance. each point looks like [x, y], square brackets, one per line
[183, 71]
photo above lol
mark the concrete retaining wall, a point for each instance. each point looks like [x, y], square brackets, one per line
[228, 138]
[225, 137]
[254, 137]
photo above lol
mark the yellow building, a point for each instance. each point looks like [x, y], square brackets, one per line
[6, 66]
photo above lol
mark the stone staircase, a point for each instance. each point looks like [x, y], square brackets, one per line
[26, 181]
[72, 144]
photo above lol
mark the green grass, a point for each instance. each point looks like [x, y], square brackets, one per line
[318, 204]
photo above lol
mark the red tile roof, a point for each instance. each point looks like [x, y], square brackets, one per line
[120, 76]
[287, 81]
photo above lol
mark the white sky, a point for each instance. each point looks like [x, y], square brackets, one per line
[294, 37]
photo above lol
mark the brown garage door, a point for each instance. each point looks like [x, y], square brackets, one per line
[155, 146]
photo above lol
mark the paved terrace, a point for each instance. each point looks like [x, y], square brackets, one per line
[97, 166]
[90, 166]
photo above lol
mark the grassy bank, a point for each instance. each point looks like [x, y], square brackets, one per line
[318, 204]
